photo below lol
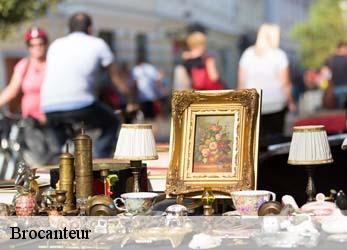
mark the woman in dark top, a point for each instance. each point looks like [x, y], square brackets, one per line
[201, 67]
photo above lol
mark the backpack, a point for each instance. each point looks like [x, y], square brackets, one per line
[201, 80]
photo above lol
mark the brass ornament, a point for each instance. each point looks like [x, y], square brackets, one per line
[83, 166]
[66, 179]
[270, 208]
[100, 205]
[207, 199]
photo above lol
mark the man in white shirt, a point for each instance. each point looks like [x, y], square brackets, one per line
[67, 95]
[148, 81]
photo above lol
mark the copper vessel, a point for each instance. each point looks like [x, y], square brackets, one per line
[83, 165]
[270, 208]
[100, 205]
[66, 179]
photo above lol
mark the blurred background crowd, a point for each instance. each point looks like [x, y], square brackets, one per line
[111, 61]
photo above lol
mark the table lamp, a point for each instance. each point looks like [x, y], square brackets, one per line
[309, 148]
[136, 143]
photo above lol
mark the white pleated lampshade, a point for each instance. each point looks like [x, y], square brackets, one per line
[136, 142]
[309, 146]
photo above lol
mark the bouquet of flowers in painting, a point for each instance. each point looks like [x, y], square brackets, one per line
[213, 147]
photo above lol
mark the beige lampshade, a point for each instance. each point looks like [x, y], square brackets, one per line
[136, 142]
[309, 146]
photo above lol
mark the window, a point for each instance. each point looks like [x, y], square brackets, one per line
[141, 46]
[109, 37]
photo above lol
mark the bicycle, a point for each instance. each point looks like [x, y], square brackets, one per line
[10, 146]
[18, 144]
[24, 140]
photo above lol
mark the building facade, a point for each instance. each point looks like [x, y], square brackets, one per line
[158, 28]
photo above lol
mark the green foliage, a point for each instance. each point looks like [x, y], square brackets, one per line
[13, 12]
[318, 36]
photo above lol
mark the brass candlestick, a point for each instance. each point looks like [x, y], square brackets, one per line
[104, 173]
[84, 166]
[60, 198]
[66, 178]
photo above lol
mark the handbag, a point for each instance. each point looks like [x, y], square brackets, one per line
[201, 79]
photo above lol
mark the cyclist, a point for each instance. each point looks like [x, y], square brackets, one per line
[28, 76]
[27, 79]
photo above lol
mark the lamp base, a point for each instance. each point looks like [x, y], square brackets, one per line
[135, 170]
[310, 188]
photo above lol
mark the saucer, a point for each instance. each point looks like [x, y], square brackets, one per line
[236, 213]
[338, 238]
[151, 213]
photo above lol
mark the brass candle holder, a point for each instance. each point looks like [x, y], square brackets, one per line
[60, 198]
[104, 173]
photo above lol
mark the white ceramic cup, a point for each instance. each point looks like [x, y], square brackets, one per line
[136, 202]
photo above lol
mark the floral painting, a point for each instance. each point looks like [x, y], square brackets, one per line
[213, 143]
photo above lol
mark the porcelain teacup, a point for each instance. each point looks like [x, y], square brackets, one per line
[136, 202]
[247, 202]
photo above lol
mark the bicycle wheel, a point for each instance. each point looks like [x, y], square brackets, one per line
[7, 166]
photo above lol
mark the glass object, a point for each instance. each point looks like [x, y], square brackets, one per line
[4, 209]
[175, 215]
[82, 206]
[25, 204]
[286, 240]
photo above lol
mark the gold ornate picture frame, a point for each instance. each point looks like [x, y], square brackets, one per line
[214, 141]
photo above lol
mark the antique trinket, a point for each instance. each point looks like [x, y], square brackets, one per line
[270, 208]
[341, 200]
[83, 165]
[27, 187]
[100, 205]
[25, 203]
[4, 210]
[207, 199]
[66, 179]
[60, 198]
